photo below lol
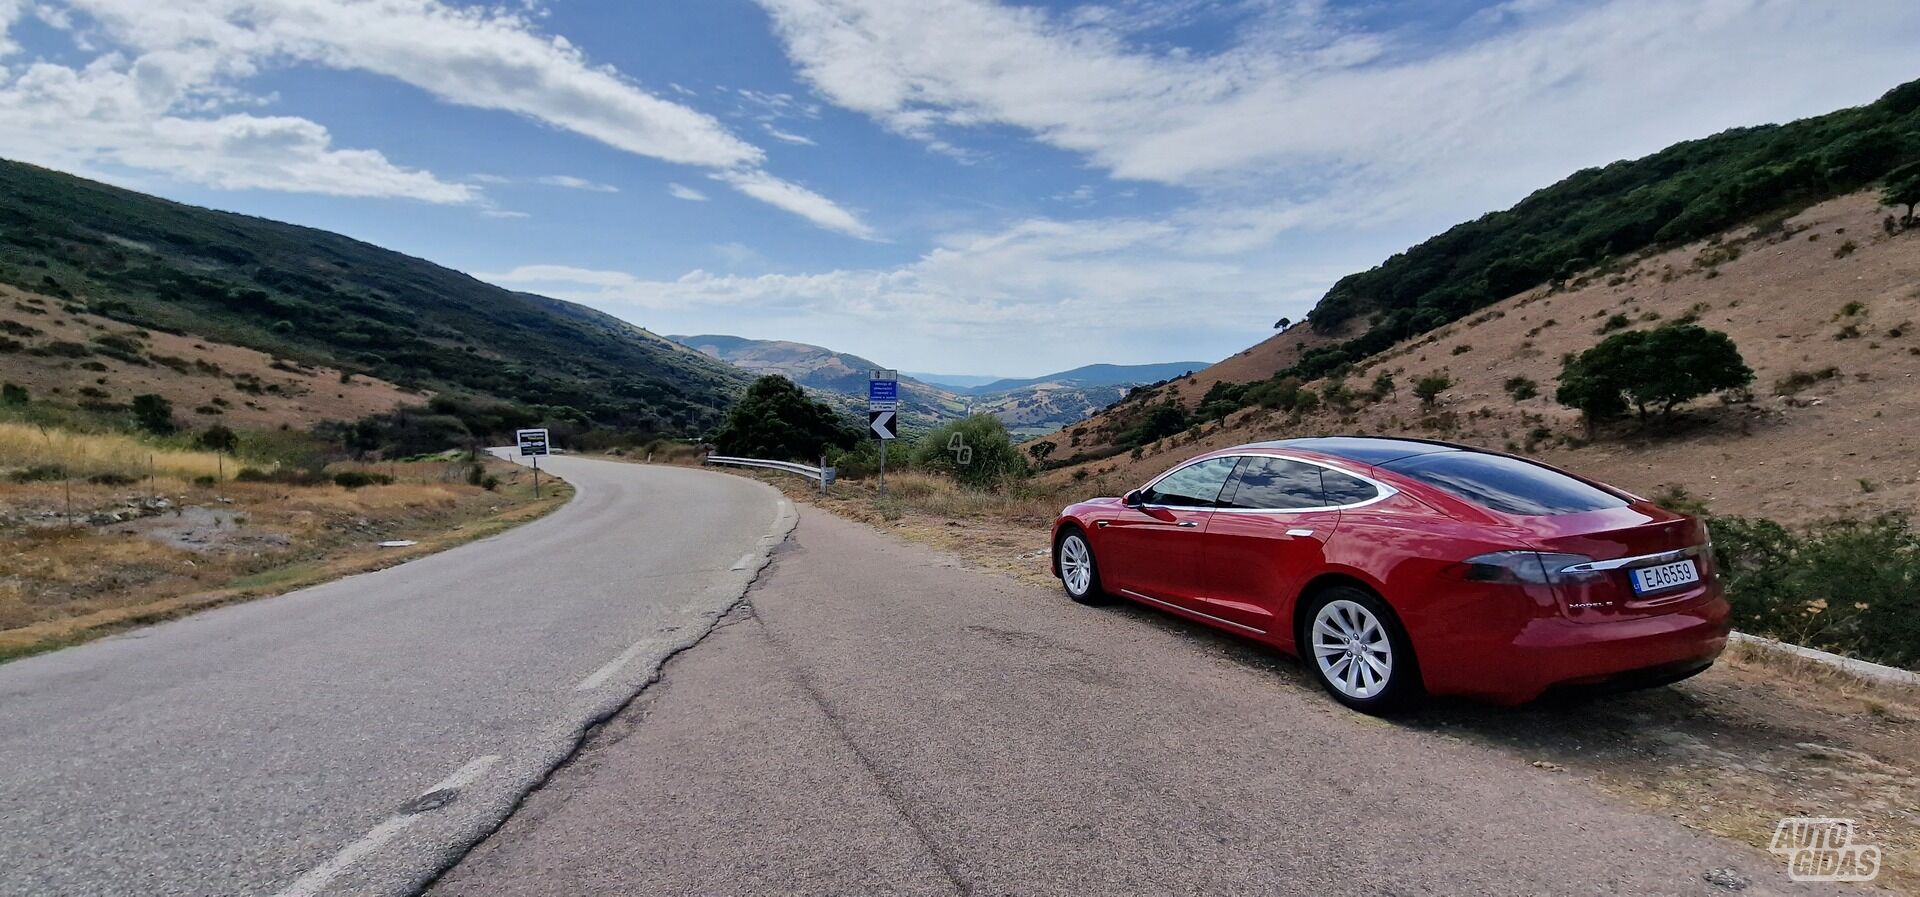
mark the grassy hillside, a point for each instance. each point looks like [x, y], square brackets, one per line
[316, 298]
[1680, 194]
[1823, 304]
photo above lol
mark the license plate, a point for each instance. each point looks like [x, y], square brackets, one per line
[1665, 576]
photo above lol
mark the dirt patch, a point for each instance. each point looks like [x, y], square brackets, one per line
[120, 559]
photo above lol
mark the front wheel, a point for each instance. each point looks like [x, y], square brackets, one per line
[1078, 572]
[1353, 644]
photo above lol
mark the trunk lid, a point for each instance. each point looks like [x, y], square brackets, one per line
[1621, 541]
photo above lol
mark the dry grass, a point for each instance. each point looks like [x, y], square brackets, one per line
[63, 584]
[87, 454]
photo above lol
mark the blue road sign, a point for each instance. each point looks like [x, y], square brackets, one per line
[883, 391]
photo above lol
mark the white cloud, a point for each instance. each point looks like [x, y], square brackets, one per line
[1304, 100]
[787, 136]
[798, 200]
[118, 112]
[682, 191]
[1041, 288]
[503, 213]
[183, 67]
[573, 183]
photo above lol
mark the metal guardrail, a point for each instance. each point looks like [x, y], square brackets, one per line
[822, 474]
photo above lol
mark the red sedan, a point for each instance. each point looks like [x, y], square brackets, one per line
[1397, 568]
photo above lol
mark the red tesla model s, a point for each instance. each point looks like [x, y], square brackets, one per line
[1398, 567]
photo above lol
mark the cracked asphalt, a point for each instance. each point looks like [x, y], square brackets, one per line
[358, 736]
[877, 719]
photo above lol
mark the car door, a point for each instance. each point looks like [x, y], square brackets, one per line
[1264, 541]
[1153, 548]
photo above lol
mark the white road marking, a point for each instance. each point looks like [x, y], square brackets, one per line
[601, 675]
[317, 878]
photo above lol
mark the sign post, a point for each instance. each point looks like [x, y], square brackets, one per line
[533, 444]
[883, 410]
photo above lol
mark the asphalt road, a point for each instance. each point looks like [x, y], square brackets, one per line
[355, 737]
[883, 721]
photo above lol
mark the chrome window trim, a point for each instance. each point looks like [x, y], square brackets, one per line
[1382, 490]
[1188, 610]
[1644, 560]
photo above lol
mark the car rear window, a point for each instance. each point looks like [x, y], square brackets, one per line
[1505, 484]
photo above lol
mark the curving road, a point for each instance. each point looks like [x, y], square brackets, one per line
[356, 737]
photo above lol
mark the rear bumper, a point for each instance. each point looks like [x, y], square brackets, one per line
[1555, 653]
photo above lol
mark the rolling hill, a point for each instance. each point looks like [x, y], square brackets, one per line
[1029, 406]
[312, 299]
[1800, 261]
[1092, 375]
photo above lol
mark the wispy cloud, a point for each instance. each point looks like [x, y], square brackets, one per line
[146, 104]
[682, 191]
[787, 136]
[798, 200]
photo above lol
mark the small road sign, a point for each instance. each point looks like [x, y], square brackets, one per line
[883, 406]
[882, 387]
[532, 442]
[884, 424]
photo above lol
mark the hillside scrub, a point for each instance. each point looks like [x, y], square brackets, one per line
[1686, 192]
[315, 298]
[1848, 586]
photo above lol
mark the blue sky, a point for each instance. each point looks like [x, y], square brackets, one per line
[954, 185]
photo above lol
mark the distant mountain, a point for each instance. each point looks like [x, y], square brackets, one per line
[313, 297]
[952, 381]
[824, 370]
[1095, 375]
[1029, 406]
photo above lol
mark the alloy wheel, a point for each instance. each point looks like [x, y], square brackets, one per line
[1352, 648]
[1076, 565]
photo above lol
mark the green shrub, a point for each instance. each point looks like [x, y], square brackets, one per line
[13, 394]
[38, 473]
[976, 451]
[1521, 388]
[1428, 388]
[153, 414]
[356, 479]
[111, 478]
[1851, 586]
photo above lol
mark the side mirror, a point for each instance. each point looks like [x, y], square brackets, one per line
[1132, 499]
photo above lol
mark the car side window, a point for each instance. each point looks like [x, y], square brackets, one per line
[1275, 484]
[1345, 490]
[1193, 486]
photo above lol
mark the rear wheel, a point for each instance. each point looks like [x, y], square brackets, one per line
[1353, 644]
[1078, 571]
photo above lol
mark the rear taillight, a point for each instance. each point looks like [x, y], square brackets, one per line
[1524, 567]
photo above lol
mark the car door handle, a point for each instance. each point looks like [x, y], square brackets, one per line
[1299, 532]
[1187, 523]
[1101, 523]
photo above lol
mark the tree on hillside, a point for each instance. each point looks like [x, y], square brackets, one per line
[1651, 368]
[1428, 389]
[1903, 189]
[219, 438]
[13, 394]
[153, 414]
[777, 420]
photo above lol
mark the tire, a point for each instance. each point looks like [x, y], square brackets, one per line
[1343, 626]
[1073, 556]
